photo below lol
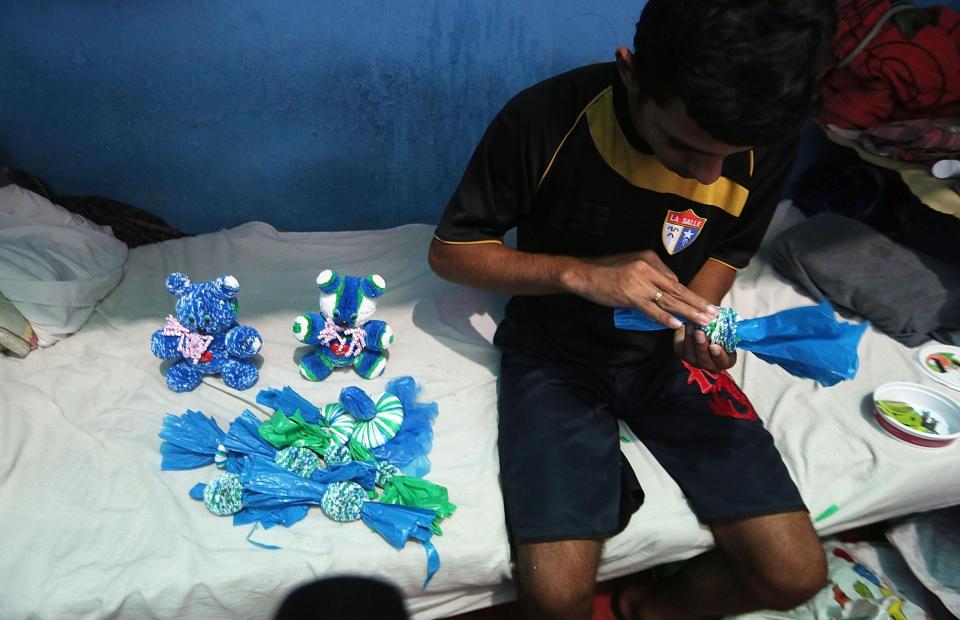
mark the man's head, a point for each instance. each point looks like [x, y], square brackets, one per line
[709, 78]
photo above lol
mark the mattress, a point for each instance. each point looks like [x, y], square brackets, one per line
[93, 528]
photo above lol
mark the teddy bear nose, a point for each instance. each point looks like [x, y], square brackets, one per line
[342, 323]
[202, 331]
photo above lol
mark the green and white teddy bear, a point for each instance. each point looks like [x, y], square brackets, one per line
[342, 333]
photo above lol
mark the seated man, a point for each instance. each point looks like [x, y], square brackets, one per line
[643, 183]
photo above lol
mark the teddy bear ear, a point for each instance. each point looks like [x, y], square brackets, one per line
[374, 285]
[329, 280]
[178, 283]
[228, 285]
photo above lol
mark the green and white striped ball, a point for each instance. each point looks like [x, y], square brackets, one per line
[220, 458]
[341, 423]
[342, 501]
[383, 427]
[301, 461]
[224, 495]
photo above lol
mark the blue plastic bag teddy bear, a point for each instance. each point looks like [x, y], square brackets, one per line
[204, 338]
[342, 333]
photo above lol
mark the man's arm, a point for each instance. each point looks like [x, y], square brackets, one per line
[621, 281]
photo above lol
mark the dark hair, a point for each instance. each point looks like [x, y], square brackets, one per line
[747, 70]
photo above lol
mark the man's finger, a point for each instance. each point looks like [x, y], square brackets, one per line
[689, 344]
[685, 296]
[659, 315]
[679, 341]
[722, 359]
[702, 351]
[669, 302]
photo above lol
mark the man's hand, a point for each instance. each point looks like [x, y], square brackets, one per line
[691, 345]
[633, 281]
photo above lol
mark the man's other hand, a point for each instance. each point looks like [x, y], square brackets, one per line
[642, 281]
[692, 345]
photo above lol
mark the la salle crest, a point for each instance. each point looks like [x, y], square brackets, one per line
[680, 229]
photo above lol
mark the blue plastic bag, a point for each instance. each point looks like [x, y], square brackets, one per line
[807, 342]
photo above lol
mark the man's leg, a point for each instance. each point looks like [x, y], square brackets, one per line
[705, 432]
[566, 485]
[768, 562]
[556, 579]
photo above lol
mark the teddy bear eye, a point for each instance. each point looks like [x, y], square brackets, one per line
[336, 313]
[207, 319]
[191, 320]
[353, 317]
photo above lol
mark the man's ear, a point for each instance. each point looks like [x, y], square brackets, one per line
[624, 58]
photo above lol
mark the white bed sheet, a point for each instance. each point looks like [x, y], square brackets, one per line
[93, 528]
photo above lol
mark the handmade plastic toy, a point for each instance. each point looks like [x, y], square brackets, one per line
[407, 447]
[807, 342]
[204, 337]
[342, 333]
[277, 470]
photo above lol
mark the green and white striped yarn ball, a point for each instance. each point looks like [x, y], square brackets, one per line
[224, 495]
[342, 501]
[723, 330]
[336, 454]
[301, 461]
[342, 424]
[220, 458]
[385, 473]
[383, 427]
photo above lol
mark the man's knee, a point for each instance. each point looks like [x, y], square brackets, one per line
[790, 578]
[556, 580]
[777, 558]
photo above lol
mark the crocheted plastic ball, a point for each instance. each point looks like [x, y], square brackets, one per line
[224, 495]
[301, 461]
[723, 330]
[342, 501]
[385, 472]
[336, 454]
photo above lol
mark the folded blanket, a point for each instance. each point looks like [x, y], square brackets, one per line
[904, 293]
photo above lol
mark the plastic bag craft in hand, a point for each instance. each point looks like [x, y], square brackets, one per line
[807, 342]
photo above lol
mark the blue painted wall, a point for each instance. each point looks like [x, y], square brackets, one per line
[307, 114]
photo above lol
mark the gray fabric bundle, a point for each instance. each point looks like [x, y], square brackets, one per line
[904, 293]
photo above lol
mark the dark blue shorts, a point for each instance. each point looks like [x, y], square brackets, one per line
[561, 468]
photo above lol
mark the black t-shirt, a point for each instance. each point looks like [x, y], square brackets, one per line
[563, 163]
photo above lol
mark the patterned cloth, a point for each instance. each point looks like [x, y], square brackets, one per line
[921, 140]
[890, 63]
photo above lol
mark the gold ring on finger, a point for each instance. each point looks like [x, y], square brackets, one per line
[658, 296]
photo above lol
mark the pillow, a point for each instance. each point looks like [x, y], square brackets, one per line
[54, 265]
[930, 544]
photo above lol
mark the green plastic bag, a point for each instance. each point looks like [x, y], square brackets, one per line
[359, 452]
[419, 493]
[282, 431]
